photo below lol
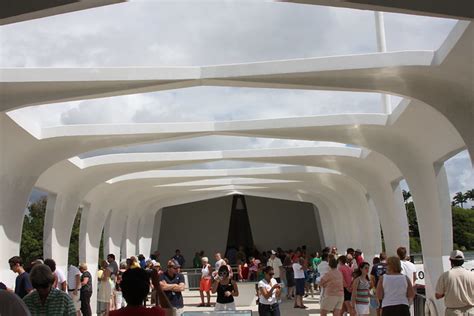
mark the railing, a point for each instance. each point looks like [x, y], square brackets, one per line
[419, 304]
[193, 277]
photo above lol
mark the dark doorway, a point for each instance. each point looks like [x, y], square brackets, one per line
[240, 233]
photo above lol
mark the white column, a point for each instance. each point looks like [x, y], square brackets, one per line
[429, 188]
[14, 192]
[61, 211]
[157, 229]
[131, 236]
[113, 233]
[92, 221]
[145, 232]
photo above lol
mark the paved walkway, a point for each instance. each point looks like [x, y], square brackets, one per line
[192, 299]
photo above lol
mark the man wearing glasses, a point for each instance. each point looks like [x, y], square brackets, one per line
[172, 284]
[22, 283]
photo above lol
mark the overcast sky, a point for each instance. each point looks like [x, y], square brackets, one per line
[180, 33]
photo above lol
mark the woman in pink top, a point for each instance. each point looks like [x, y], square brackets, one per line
[347, 276]
[332, 283]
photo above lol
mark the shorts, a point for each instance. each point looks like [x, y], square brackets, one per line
[205, 285]
[330, 303]
[362, 309]
[75, 299]
[347, 295]
[299, 286]
[396, 310]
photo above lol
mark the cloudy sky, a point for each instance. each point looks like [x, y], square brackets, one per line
[181, 33]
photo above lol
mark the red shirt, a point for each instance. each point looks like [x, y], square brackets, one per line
[346, 275]
[138, 310]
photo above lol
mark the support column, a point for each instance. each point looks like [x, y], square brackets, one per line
[319, 227]
[92, 222]
[61, 211]
[157, 229]
[113, 232]
[131, 236]
[145, 232]
[14, 192]
[429, 187]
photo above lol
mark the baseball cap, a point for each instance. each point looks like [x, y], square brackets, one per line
[273, 252]
[358, 250]
[456, 255]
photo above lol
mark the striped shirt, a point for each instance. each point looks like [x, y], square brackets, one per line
[363, 295]
[57, 303]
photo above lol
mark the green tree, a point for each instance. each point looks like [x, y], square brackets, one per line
[31, 246]
[469, 195]
[73, 256]
[459, 198]
[463, 222]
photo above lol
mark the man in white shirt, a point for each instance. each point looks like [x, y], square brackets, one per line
[409, 270]
[276, 264]
[60, 278]
[74, 286]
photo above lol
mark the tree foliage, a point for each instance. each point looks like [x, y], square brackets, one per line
[31, 246]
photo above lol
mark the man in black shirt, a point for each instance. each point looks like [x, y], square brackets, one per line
[22, 283]
[172, 283]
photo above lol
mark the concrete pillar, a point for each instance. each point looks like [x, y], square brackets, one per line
[92, 222]
[113, 233]
[14, 192]
[429, 188]
[145, 232]
[61, 211]
[156, 231]
[319, 227]
[131, 236]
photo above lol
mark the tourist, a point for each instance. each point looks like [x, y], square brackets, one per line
[219, 262]
[60, 281]
[178, 257]
[377, 271]
[118, 295]
[290, 276]
[276, 265]
[323, 268]
[22, 282]
[408, 268]
[269, 292]
[332, 288]
[334, 252]
[309, 276]
[142, 261]
[206, 281]
[358, 257]
[226, 289]
[298, 271]
[351, 261]
[241, 255]
[86, 290]
[104, 289]
[133, 263]
[197, 260]
[135, 286]
[47, 300]
[457, 287]
[394, 290]
[74, 287]
[315, 265]
[112, 266]
[347, 278]
[243, 270]
[172, 283]
[361, 290]
[253, 268]
[11, 304]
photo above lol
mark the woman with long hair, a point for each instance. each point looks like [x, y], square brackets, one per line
[395, 290]
[361, 290]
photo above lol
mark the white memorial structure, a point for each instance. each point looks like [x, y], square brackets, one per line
[357, 184]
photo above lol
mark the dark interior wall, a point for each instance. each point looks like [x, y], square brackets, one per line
[204, 225]
[282, 223]
[191, 227]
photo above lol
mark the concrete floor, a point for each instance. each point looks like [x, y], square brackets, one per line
[192, 299]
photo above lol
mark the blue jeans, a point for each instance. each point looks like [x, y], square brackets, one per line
[268, 310]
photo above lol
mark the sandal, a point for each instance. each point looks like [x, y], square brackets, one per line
[208, 305]
[201, 305]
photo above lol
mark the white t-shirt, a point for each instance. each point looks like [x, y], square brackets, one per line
[275, 264]
[298, 271]
[72, 271]
[408, 269]
[323, 268]
[61, 278]
[218, 264]
[272, 299]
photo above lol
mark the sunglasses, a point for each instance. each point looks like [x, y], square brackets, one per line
[271, 273]
[172, 267]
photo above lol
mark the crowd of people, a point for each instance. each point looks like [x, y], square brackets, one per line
[346, 284]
